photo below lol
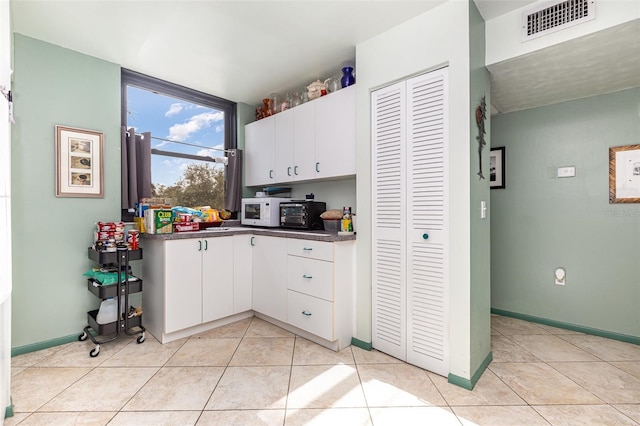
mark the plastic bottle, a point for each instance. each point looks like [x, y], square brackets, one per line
[346, 225]
[108, 311]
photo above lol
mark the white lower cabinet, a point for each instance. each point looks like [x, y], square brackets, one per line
[311, 314]
[320, 284]
[269, 279]
[242, 273]
[191, 283]
[198, 283]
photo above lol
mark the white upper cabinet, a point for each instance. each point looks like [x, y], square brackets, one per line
[260, 142]
[335, 147]
[304, 123]
[315, 140]
[284, 145]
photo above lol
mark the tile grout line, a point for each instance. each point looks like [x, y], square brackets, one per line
[244, 334]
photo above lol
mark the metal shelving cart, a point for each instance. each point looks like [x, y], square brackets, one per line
[130, 326]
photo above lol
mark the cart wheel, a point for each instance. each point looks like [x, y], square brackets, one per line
[140, 338]
[95, 351]
[83, 336]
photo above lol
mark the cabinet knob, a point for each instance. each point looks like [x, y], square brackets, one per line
[306, 314]
[425, 236]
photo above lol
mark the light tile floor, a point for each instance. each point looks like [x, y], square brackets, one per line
[254, 373]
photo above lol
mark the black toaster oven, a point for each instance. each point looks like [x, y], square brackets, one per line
[303, 214]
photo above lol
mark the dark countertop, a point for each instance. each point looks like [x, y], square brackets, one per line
[225, 231]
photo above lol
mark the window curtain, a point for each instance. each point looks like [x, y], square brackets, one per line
[136, 167]
[233, 181]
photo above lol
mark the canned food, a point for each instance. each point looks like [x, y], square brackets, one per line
[133, 239]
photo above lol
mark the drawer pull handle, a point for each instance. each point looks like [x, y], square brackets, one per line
[306, 276]
[317, 169]
[206, 245]
[288, 171]
[306, 314]
[295, 170]
[307, 249]
[252, 242]
[199, 245]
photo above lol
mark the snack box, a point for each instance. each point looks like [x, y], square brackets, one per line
[186, 226]
[158, 221]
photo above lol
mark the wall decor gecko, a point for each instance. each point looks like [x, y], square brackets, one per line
[481, 115]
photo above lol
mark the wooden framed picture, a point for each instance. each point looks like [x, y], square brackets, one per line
[497, 168]
[624, 174]
[79, 163]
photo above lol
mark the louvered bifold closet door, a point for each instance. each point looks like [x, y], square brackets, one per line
[427, 222]
[388, 225]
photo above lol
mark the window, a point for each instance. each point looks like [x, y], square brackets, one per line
[190, 132]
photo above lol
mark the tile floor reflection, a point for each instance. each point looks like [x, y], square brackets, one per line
[254, 373]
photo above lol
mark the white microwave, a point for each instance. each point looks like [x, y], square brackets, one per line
[261, 211]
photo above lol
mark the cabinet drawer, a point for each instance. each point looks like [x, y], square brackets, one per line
[312, 249]
[310, 314]
[310, 276]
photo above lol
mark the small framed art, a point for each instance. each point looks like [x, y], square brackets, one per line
[624, 174]
[497, 176]
[79, 163]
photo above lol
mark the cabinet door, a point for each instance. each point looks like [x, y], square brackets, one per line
[259, 154]
[388, 236]
[427, 222]
[242, 273]
[183, 284]
[284, 146]
[217, 278]
[335, 128]
[304, 141]
[270, 276]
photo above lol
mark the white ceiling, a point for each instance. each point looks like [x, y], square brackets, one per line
[245, 50]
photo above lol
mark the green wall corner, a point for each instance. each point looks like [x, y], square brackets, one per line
[470, 384]
[361, 344]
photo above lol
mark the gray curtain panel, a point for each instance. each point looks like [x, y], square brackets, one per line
[136, 167]
[233, 181]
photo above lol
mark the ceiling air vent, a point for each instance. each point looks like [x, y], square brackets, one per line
[556, 16]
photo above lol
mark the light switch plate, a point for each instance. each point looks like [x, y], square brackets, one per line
[566, 171]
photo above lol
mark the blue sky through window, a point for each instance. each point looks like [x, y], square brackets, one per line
[170, 118]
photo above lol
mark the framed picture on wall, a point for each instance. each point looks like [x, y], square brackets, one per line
[496, 168]
[624, 174]
[79, 163]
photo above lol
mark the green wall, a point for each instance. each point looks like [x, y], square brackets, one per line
[480, 300]
[52, 85]
[541, 222]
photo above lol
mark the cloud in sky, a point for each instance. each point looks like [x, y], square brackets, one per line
[174, 109]
[182, 131]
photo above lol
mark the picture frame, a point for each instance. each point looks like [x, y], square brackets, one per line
[79, 162]
[497, 175]
[624, 174]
